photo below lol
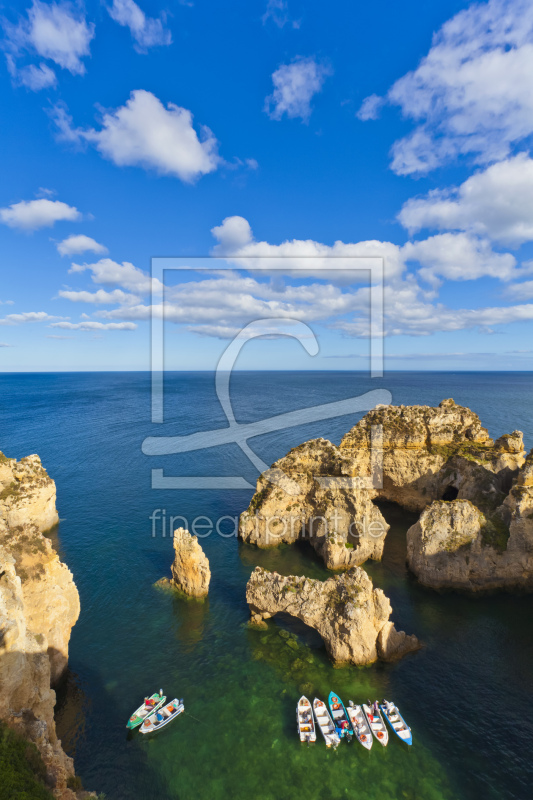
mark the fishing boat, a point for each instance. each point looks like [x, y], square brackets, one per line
[397, 722]
[376, 724]
[305, 720]
[340, 717]
[162, 717]
[325, 723]
[362, 730]
[149, 705]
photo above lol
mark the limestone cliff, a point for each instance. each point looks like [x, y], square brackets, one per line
[456, 545]
[39, 604]
[326, 492]
[350, 615]
[190, 569]
[317, 499]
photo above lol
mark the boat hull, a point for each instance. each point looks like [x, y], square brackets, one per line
[405, 734]
[335, 706]
[151, 724]
[138, 717]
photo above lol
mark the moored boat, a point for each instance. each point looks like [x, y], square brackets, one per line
[163, 716]
[397, 722]
[361, 728]
[325, 723]
[376, 723]
[305, 720]
[150, 705]
[340, 717]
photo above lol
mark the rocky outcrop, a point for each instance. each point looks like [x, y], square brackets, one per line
[455, 545]
[39, 604]
[349, 614]
[318, 499]
[325, 493]
[190, 569]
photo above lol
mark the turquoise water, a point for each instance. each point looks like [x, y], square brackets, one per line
[468, 694]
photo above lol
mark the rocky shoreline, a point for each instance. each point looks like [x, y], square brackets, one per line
[39, 604]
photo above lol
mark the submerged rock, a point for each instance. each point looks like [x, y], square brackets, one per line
[455, 545]
[190, 569]
[39, 604]
[349, 614]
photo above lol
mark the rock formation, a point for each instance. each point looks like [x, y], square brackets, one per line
[190, 569]
[325, 493]
[336, 514]
[349, 614]
[455, 545]
[39, 604]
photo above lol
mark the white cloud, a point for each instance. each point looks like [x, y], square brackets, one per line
[27, 316]
[4, 344]
[79, 243]
[370, 107]
[95, 326]
[31, 76]
[471, 94]
[28, 215]
[278, 12]
[55, 31]
[101, 297]
[110, 273]
[497, 202]
[146, 31]
[459, 257]
[304, 257]
[520, 291]
[143, 133]
[295, 84]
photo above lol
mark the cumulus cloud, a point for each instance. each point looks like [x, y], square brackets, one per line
[101, 297]
[471, 94]
[110, 273]
[295, 85]
[496, 202]
[28, 215]
[79, 243]
[55, 31]
[459, 257]
[237, 245]
[32, 76]
[370, 107]
[146, 31]
[89, 325]
[145, 133]
[27, 316]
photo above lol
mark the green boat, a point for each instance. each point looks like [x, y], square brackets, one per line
[148, 707]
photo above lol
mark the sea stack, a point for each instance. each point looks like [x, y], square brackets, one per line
[351, 616]
[190, 569]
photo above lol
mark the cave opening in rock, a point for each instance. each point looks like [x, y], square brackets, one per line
[450, 493]
[305, 634]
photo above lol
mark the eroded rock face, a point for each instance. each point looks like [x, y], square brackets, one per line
[39, 604]
[327, 492]
[319, 500]
[455, 545]
[190, 569]
[350, 615]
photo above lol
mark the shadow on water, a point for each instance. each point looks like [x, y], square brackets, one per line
[82, 708]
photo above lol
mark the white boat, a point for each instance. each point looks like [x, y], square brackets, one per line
[362, 729]
[325, 723]
[376, 724]
[397, 722]
[304, 718]
[162, 717]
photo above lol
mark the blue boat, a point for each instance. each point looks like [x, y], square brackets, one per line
[340, 717]
[397, 722]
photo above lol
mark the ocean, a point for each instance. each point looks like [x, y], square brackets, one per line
[468, 694]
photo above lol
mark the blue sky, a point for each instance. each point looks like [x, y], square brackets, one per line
[269, 128]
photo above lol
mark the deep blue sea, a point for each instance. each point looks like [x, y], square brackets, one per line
[468, 695]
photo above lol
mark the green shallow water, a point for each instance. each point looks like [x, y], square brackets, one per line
[238, 737]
